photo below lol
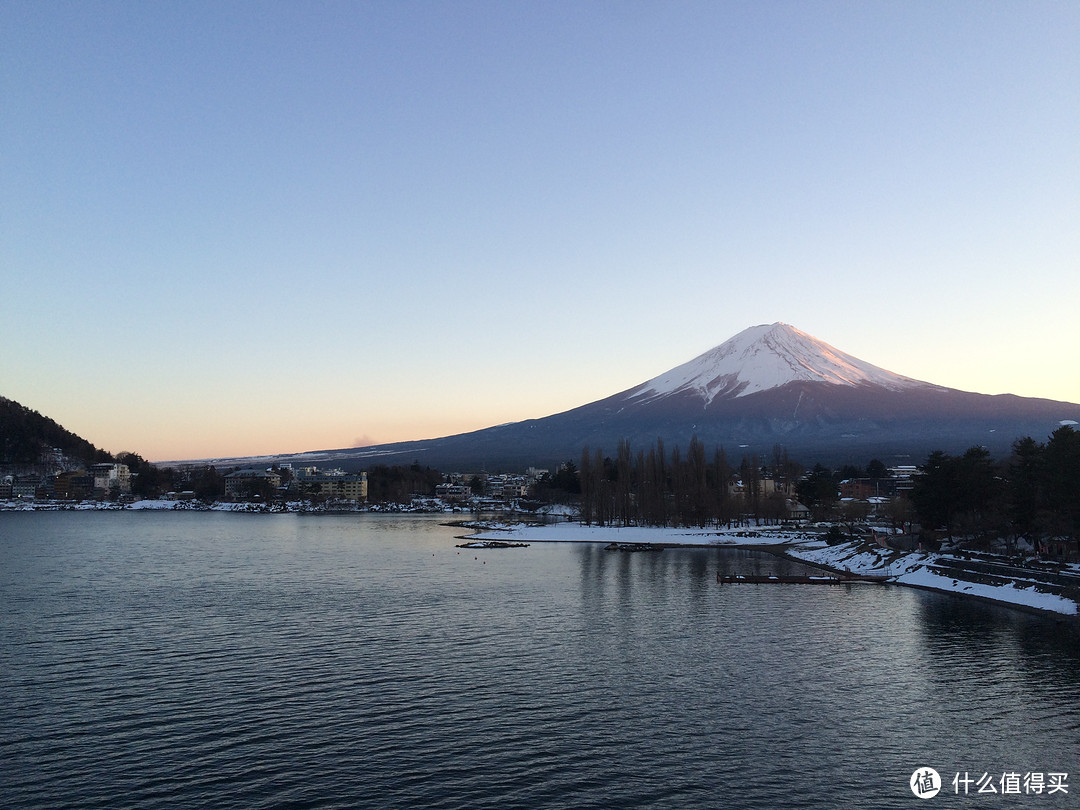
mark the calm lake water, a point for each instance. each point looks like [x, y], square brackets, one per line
[220, 660]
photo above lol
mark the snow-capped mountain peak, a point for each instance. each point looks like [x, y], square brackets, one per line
[765, 357]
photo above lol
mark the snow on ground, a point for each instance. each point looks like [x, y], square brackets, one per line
[853, 557]
[858, 557]
[55, 506]
[146, 505]
[1011, 594]
[156, 505]
[576, 533]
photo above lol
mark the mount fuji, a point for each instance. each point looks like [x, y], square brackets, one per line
[768, 385]
[762, 358]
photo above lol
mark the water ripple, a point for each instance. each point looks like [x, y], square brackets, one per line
[201, 660]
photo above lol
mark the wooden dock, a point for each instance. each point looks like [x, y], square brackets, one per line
[755, 579]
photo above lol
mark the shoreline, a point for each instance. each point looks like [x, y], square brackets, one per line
[239, 507]
[916, 569]
[937, 572]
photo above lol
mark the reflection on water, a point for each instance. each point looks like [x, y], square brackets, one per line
[364, 661]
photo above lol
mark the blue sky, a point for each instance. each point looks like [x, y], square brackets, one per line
[245, 228]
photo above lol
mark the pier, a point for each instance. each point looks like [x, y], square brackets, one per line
[757, 579]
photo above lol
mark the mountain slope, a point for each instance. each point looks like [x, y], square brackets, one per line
[768, 385]
[24, 432]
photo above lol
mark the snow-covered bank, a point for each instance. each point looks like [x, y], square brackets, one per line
[576, 533]
[915, 569]
[59, 506]
[150, 505]
[1013, 593]
[163, 505]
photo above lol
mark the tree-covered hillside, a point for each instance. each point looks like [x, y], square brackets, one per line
[23, 433]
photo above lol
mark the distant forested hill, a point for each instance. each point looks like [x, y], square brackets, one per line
[23, 432]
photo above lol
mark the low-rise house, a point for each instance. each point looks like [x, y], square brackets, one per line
[766, 487]
[514, 489]
[453, 493]
[796, 511]
[864, 488]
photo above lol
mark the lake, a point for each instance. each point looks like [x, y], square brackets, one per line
[200, 659]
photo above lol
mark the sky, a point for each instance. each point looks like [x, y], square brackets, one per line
[247, 228]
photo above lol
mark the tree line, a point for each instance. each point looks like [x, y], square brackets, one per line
[24, 431]
[661, 487]
[1032, 495]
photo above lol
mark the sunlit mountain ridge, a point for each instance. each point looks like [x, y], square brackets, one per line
[769, 385]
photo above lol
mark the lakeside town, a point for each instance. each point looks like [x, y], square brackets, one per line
[765, 499]
[856, 526]
[278, 488]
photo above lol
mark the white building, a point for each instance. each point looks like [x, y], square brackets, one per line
[109, 478]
